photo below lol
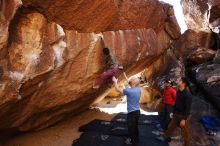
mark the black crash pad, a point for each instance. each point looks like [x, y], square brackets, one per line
[143, 120]
[96, 126]
[115, 133]
[99, 139]
[118, 129]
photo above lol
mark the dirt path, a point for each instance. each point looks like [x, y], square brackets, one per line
[65, 132]
[58, 135]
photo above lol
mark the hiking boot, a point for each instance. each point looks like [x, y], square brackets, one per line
[163, 138]
[211, 133]
[158, 133]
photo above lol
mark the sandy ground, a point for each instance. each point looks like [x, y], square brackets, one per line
[61, 134]
[65, 132]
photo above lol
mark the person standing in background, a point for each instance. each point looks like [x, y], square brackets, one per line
[181, 115]
[169, 100]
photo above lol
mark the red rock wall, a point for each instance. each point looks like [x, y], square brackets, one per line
[7, 11]
[103, 15]
[201, 15]
[49, 71]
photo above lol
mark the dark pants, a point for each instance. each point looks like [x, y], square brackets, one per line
[185, 131]
[165, 116]
[132, 121]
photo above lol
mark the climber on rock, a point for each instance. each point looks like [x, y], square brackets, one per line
[111, 69]
[133, 96]
[181, 116]
[169, 100]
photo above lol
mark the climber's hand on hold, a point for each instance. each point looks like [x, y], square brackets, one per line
[125, 77]
[182, 123]
[171, 115]
[124, 74]
[114, 79]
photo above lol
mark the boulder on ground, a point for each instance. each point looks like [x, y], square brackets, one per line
[190, 41]
[201, 14]
[201, 55]
[207, 76]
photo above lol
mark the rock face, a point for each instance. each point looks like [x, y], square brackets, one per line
[201, 55]
[208, 77]
[49, 70]
[167, 66]
[201, 15]
[217, 57]
[51, 52]
[204, 18]
[190, 41]
[7, 11]
[105, 15]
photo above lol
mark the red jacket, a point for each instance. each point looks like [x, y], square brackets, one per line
[169, 95]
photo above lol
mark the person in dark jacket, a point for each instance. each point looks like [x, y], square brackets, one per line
[181, 116]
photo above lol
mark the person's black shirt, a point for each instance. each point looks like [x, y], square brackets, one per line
[183, 103]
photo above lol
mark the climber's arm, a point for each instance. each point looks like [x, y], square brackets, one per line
[126, 77]
[116, 85]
